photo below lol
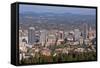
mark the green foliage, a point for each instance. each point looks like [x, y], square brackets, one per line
[60, 58]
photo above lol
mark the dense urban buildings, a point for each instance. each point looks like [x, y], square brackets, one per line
[56, 37]
[55, 41]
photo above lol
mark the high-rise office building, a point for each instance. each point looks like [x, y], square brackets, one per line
[61, 35]
[31, 35]
[91, 34]
[77, 34]
[85, 31]
[43, 37]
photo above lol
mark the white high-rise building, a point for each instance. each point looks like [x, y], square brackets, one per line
[43, 37]
[77, 34]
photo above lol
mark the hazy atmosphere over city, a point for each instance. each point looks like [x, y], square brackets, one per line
[52, 34]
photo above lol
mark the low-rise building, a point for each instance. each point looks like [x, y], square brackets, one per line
[46, 52]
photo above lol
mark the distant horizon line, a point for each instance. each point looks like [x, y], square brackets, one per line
[26, 12]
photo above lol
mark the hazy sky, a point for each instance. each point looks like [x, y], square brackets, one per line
[53, 9]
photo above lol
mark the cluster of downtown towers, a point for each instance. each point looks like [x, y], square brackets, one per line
[45, 37]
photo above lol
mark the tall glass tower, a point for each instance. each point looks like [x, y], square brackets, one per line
[85, 30]
[31, 35]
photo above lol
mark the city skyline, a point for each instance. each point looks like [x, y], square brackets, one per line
[47, 38]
